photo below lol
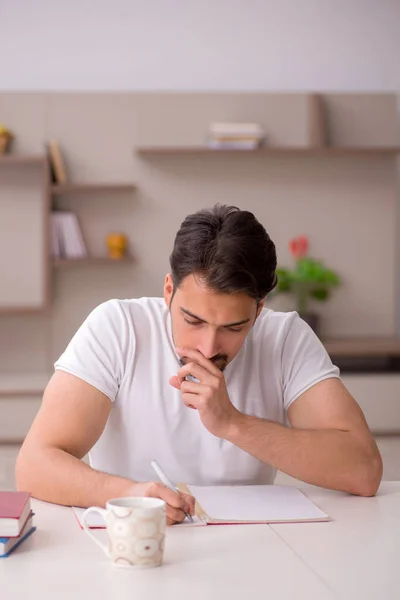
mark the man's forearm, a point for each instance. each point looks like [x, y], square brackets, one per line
[328, 458]
[53, 475]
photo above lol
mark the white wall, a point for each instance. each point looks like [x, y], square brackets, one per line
[327, 45]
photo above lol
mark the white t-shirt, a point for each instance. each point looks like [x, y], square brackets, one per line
[125, 350]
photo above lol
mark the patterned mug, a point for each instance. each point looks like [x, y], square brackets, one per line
[136, 530]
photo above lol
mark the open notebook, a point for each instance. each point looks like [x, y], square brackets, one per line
[241, 504]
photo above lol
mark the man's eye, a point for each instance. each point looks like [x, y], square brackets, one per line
[193, 322]
[235, 329]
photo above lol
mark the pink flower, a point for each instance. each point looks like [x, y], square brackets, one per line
[299, 246]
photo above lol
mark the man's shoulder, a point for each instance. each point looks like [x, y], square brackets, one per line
[277, 330]
[276, 323]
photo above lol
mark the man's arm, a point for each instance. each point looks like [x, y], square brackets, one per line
[70, 421]
[329, 443]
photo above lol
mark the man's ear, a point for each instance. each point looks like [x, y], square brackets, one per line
[260, 306]
[168, 289]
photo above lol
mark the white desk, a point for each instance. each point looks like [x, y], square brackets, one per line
[354, 556]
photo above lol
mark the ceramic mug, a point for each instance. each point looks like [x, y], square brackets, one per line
[136, 530]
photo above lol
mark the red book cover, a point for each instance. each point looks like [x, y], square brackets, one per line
[12, 504]
[14, 510]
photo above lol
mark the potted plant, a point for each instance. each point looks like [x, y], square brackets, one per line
[309, 280]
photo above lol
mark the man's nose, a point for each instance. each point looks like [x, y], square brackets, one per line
[209, 344]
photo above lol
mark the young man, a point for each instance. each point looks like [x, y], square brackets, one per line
[120, 391]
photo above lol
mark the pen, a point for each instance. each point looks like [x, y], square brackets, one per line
[166, 481]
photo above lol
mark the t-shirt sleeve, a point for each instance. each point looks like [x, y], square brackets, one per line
[305, 361]
[99, 351]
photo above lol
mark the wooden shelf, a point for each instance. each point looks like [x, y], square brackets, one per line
[10, 311]
[14, 159]
[91, 188]
[23, 384]
[277, 151]
[363, 347]
[92, 260]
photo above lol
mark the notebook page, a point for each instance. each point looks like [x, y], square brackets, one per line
[269, 503]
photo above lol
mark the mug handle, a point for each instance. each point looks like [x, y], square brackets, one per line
[86, 528]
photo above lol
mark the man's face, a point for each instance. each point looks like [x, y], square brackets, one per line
[215, 324]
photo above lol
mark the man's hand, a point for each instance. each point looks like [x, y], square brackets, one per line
[209, 396]
[177, 504]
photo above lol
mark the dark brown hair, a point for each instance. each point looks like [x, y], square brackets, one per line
[228, 249]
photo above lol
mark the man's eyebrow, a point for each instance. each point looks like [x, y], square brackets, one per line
[236, 324]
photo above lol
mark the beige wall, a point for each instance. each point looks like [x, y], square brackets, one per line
[346, 205]
[263, 45]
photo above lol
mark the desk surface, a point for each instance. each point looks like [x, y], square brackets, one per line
[353, 556]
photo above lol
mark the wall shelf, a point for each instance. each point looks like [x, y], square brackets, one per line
[363, 347]
[91, 261]
[272, 151]
[91, 188]
[27, 160]
[23, 384]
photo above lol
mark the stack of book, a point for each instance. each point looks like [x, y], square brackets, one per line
[66, 236]
[16, 520]
[235, 136]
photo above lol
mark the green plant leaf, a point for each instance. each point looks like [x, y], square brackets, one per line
[284, 280]
[308, 279]
[320, 294]
[331, 278]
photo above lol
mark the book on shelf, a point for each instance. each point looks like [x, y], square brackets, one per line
[235, 136]
[9, 544]
[66, 236]
[57, 164]
[15, 508]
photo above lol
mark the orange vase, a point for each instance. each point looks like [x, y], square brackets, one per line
[116, 244]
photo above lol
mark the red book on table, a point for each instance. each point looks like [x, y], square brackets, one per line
[14, 511]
